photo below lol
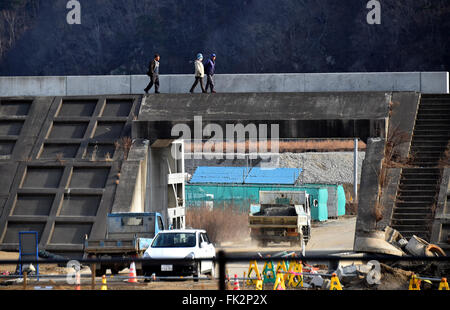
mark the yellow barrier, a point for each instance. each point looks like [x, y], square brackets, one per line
[104, 287]
[253, 267]
[443, 286]
[414, 283]
[282, 266]
[295, 279]
[259, 285]
[335, 284]
[279, 282]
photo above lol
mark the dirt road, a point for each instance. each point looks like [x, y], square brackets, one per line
[328, 237]
[335, 235]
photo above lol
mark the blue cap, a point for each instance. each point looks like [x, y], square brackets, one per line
[213, 55]
[199, 56]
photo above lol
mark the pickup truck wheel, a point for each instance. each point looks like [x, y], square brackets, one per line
[212, 274]
[303, 246]
[197, 272]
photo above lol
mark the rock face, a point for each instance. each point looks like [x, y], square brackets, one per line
[252, 36]
[330, 167]
[326, 167]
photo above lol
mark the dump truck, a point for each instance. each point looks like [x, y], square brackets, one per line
[127, 235]
[281, 216]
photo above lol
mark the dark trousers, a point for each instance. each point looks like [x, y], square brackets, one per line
[154, 80]
[209, 83]
[198, 79]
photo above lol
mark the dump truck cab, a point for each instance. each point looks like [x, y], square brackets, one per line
[128, 235]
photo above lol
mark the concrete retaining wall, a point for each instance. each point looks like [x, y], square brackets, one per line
[368, 195]
[424, 82]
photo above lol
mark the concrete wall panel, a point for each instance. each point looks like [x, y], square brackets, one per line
[425, 82]
[434, 82]
[98, 85]
[389, 81]
[33, 86]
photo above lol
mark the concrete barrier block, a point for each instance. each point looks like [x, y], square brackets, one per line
[33, 86]
[180, 84]
[98, 85]
[324, 82]
[294, 82]
[403, 81]
[426, 82]
[434, 82]
[234, 83]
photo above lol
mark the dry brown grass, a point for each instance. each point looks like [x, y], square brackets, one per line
[108, 157]
[351, 206]
[394, 139]
[222, 224]
[60, 158]
[391, 159]
[124, 144]
[309, 145]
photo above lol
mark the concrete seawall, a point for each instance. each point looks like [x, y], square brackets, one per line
[424, 82]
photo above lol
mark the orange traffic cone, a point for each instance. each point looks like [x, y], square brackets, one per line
[236, 283]
[132, 276]
[78, 281]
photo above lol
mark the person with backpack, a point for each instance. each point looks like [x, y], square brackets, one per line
[153, 73]
[210, 68]
[199, 73]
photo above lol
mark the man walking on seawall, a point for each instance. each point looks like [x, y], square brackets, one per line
[153, 73]
[199, 73]
[210, 68]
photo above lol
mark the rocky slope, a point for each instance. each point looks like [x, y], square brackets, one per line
[249, 36]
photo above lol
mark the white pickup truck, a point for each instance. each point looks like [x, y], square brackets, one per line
[189, 244]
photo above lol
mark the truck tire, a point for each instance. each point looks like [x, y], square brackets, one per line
[197, 272]
[100, 272]
[262, 243]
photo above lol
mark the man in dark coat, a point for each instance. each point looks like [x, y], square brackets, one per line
[210, 68]
[153, 73]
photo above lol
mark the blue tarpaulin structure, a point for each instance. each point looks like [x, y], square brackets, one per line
[245, 175]
[219, 175]
[273, 176]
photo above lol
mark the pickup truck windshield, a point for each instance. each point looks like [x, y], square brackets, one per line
[174, 240]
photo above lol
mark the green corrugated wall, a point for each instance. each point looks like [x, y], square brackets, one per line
[242, 195]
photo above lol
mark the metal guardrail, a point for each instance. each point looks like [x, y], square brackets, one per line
[222, 259]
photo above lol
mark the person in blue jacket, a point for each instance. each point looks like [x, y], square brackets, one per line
[210, 68]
